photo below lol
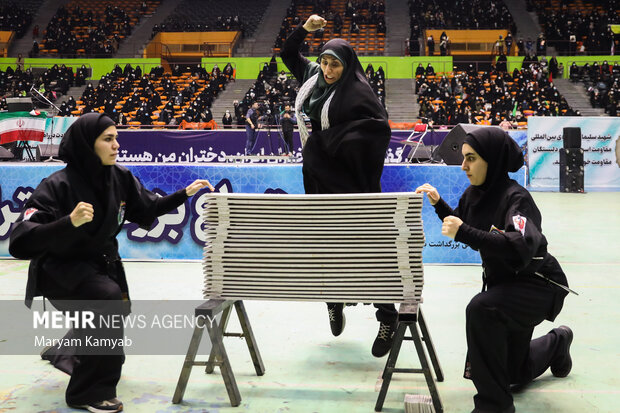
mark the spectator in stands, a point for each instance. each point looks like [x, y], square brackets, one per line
[500, 45]
[553, 67]
[227, 120]
[206, 115]
[502, 63]
[508, 42]
[71, 103]
[229, 72]
[574, 72]
[430, 43]
[444, 44]
[64, 110]
[490, 93]
[498, 217]
[34, 52]
[19, 62]
[350, 135]
[419, 71]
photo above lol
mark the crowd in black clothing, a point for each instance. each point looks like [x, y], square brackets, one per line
[376, 79]
[357, 13]
[128, 95]
[460, 14]
[221, 24]
[201, 16]
[71, 30]
[52, 83]
[14, 18]
[489, 97]
[574, 30]
[602, 81]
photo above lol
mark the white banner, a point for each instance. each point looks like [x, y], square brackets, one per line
[599, 140]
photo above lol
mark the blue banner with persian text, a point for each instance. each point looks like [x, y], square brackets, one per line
[179, 236]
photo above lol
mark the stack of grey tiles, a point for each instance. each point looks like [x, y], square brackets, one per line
[345, 247]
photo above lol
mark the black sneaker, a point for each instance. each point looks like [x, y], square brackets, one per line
[563, 363]
[336, 317]
[383, 342]
[106, 406]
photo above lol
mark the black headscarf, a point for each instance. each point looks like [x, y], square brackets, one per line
[351, 85]
[77, 147]
[503, 155]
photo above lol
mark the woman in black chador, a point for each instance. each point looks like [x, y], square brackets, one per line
[68, 230]
[350, 135]
[522, 283]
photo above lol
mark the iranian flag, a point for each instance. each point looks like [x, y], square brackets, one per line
[22, 126]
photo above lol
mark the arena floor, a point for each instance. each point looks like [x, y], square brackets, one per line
[309, 370]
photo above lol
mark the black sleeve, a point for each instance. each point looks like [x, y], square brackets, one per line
[442, 209]
[520, 240]
[144, 206]
[291, 56]
[42, 226]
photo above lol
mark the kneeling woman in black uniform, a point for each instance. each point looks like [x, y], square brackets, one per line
[499, 218]
[68, 230]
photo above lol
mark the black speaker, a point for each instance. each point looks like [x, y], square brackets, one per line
[571, 138]
[46, 151]
[450, 149]
[571, 159]
[571, 170]
[19, 104]
[571, 181]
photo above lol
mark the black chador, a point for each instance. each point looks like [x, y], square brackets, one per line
[346, 150]
[348, 155]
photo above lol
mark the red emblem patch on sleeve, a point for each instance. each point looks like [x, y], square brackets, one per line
[519, 223]
[29, 213]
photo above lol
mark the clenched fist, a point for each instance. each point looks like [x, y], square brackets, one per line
[82, 214]
[450, 226]
[314, 23]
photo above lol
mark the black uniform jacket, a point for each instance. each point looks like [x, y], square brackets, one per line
[61, 255]
[512, 247]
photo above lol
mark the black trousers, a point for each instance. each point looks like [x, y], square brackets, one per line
[288, 139]
[500, 349]
[94, 376]
[386, 313]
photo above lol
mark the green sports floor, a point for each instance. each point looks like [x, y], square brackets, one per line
[309, 370]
